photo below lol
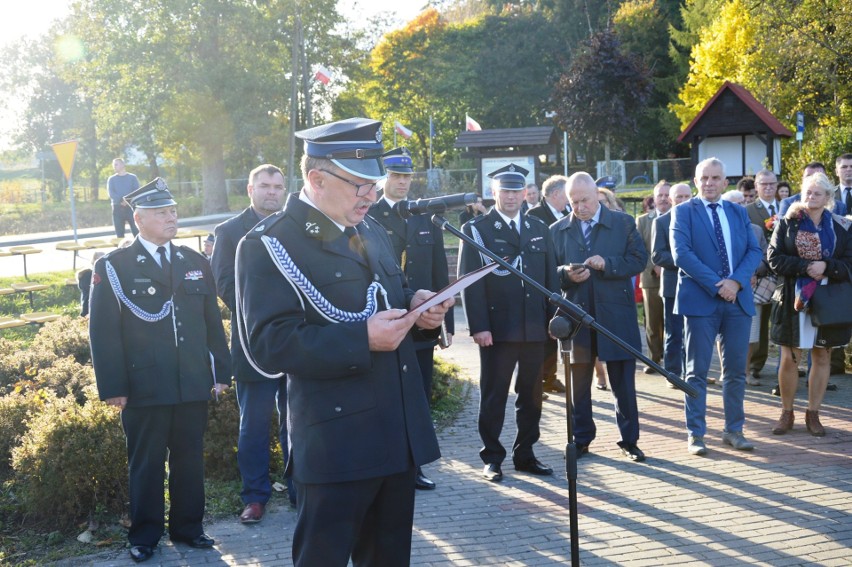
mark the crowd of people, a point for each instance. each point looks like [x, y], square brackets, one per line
[334, 327]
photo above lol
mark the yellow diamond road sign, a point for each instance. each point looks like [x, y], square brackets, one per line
[65, 152]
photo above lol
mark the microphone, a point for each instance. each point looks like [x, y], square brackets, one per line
[561, 327]
[437, 205]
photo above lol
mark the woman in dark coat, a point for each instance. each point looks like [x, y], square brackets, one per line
[810, 247]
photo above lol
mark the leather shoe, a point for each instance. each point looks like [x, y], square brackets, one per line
[252, 513]
[632, 452]
[421, 482]
[140, 553]
[199, 542]
[649, 370]
[582, 450]
[534, 466]
[492, 472]
[554, 386]
[736, 440]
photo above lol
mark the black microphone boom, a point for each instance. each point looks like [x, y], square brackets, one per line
[435, 205]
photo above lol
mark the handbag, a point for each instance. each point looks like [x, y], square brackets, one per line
[831, 305]
[763, 289]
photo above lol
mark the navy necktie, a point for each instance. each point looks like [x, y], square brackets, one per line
[849, 200]
[772, 210]
[587, 233]
[720, 238]
[513, 226]
[164, 261]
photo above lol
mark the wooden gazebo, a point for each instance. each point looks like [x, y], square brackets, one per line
[736, 128]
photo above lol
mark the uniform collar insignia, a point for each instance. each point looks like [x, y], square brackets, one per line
[527, 223]
[259, 228]
[179, 255]
[498, 225]
[140, 259]
[312, 228]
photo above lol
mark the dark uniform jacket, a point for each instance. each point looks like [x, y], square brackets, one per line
[502, 304]
[542, 211]
[354, 414]
[785, 262]
[418, 246]
[228, 235]
[661, 254]
[139, 359]
[607, 295]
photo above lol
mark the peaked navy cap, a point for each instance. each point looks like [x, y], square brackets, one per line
[398, 160]
[354, 145]
[153, 195]
[511, 177]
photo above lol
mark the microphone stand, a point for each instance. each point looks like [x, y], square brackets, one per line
[580, 317]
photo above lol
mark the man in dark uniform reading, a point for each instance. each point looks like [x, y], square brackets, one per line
[418, 246]
[509, 321]
[322, 298]
[159, 353]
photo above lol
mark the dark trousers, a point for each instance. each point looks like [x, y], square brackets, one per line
[551, 356]
[368, 520]
[153, 434]
[761, 353]
[426, 362]
[673, 352]
[258, 401]
[497, 364]
[622, 379]
[120, 215]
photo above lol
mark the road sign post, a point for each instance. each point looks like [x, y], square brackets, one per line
[65, 152]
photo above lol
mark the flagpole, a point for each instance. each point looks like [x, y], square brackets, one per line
[431, 130]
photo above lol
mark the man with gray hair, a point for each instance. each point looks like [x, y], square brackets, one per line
[649, 279]
[715, 249]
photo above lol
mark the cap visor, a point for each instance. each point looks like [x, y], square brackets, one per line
[364, 168]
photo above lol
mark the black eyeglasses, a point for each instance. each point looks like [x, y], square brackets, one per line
[361, 189]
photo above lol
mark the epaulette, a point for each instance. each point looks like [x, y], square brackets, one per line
[842, 221]
[263, 226]
[477, 219]
[537, 219]
[184, 248]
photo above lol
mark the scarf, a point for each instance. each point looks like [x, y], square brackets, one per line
[812, 243]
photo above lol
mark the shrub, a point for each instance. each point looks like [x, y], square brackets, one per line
[66, 377]
[66, 336]
[443, 376]
[15, 411]
[71, 464]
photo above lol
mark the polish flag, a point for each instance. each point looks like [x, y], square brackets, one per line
[402, 130]
[471, 124]
[323, 75]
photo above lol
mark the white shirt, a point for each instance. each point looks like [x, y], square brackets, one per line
[557, 214]
[766, 204]
[152, 249]
[517, 220]
[726, 227]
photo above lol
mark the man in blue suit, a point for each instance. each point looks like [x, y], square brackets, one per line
[716, 251]
[598, 251]
[661, 255]
[258, 396]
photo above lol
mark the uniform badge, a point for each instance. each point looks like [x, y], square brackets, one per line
[140, 259]
[152, 290]
[259, 228]
[161, 185]
[312, 228]
[498, 225]
[194, 275]
[527, 224]
[536, 238]
[179, 255]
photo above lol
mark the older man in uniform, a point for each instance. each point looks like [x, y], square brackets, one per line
[509, 321]
[159, 353]
[322, 299]
[258, 395]
[418, 246]
[598, 252]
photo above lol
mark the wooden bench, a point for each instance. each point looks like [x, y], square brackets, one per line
[74, 247]
[39, 317]
[29, 288]
[23, 252]
[11, 322]
[198, 233]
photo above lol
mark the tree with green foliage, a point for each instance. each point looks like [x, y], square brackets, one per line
[600, 98]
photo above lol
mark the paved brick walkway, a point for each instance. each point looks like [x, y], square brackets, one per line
[787, 503]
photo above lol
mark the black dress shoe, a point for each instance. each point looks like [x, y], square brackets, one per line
[140, 553]
[200, 542]
[554, 386]
[533, 466]
[493, 472]
[423, 483]
[582, 450]
[632, 452]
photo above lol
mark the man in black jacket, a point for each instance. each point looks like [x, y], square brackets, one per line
[418, 246]
[509, 322]
[258, 395]
[159, 353]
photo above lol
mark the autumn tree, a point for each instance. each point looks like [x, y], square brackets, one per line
[600, 98]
